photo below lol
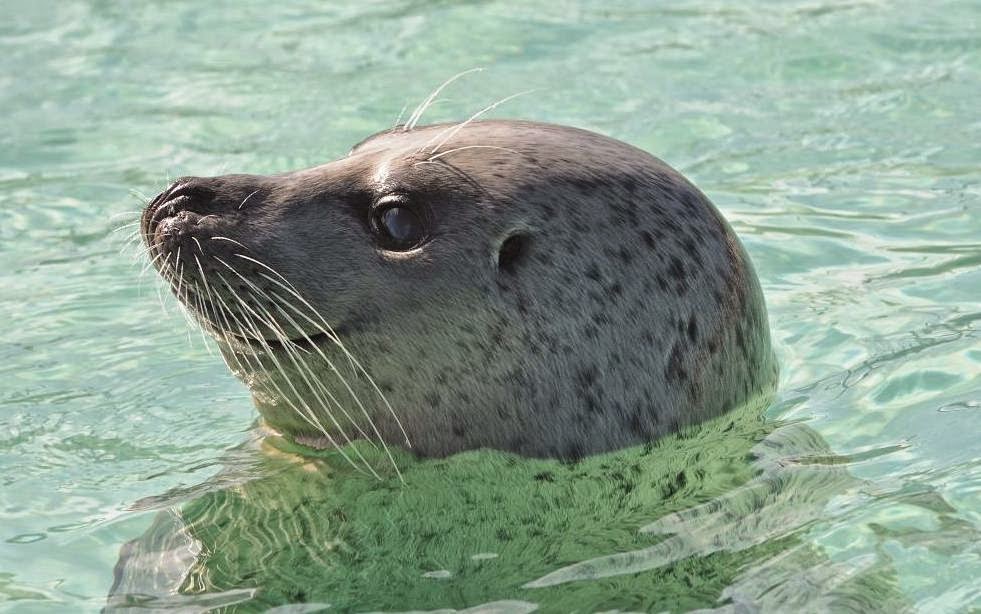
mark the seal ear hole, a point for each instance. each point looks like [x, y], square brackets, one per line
[513, 253]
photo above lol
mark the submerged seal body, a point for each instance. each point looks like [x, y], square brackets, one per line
[504, 284]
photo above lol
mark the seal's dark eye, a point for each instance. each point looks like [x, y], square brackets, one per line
[399, 227]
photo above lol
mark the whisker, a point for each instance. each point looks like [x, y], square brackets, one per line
[150, 263]
[316, 349]
[180, 273]
[290, 346]
[312, 416]
[417, 114]
[124, 227]
[454, 130]
[220, 238]
[399, 118]
[332, 335]
[449, 151]
[140, 195]
[242, 204]
[125, 213]
[131, 242]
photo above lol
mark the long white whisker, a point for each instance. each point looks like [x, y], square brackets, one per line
[417, 114]
[140, 195]
[150, 263]
[310, 419]
[449, 151]
[312, 383]
[199, 316]
[311, 414]
[124, 213]
[124, 227]
[364, 410]
[220, 238]
[131, 239]
[401, 113]
[242, 204]
[453, 130]
[274, 300]
[333, 336]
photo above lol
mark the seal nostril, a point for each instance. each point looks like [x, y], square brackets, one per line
[187, 193]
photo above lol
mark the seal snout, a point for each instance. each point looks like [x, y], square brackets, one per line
[168, 214]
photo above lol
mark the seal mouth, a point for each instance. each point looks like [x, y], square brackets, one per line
[257, 346]
[214, 317]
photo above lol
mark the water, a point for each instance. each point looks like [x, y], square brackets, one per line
[841, 139]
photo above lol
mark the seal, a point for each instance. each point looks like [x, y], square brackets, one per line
[521, 286]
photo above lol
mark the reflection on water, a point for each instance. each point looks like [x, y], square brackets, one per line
[727, 509]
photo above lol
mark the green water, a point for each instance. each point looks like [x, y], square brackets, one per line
[841, 139]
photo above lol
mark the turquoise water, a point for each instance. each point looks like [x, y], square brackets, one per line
[841, 139]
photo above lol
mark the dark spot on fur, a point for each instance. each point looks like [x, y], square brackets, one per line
[688, 200]
[587, 376]
[648, 239]
[457, 427]
[600, 318]
[625, 256]
[593, 272]
[574, 452]
[592, 403]
[676, 269]
[583, 184]
[675, 369]
[638, 425]
[692, 251]
[692, 329]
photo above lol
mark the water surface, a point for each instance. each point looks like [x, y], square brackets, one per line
[841, 139]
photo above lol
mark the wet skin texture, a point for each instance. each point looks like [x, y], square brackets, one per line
[526, 287]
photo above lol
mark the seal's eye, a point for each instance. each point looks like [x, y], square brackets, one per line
[398, 227]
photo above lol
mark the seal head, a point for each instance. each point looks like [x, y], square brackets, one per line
[527, 287]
